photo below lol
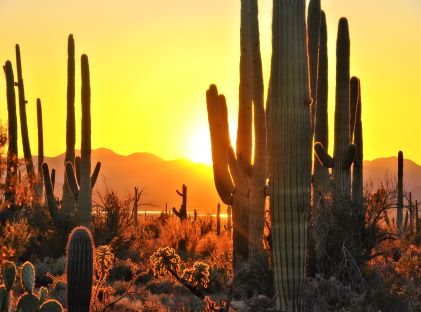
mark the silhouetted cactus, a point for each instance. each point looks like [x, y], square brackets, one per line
[83, 190]
[136, 206]
[12, 152]
[411, 216]
[321, 132]
[79, 270]
[218, 220]
[38, 188]
[313, 23]
[23, 121]
[68, 199]
[357, 170]
[8, 272]
[240, 182]
[195, 215]
[344, 151]
[290, 148]
[182, 212]
[399, 205]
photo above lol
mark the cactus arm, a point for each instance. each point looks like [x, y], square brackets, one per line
[234, 167]
[49, 192]
[38, 191]
[176, 212]
[323, 156]
[77, 168]
[399, 206]
[53, 178]
[218, 126]
[95, 174]
[353, 103]
[71, 179]
[349, 156]
[179, 193]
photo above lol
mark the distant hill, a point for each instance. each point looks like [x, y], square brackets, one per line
[161, 178]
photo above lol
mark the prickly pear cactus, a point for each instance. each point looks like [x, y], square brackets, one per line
[51, 306]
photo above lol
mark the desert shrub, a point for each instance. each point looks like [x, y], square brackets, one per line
[15, 237]
[47, 267]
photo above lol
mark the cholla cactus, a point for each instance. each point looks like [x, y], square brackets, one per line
[104, 259]
[198, 276]
[164, 259]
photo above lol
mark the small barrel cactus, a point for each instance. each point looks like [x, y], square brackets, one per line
[79, 269]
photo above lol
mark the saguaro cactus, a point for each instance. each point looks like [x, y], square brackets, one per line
[182, 212]
[239, 182]
[399, 206]
[23, 122]
[79, 270]
[12, 152]
[321, 133]
[290, 148]
[357, 171]
[313, 22]
[38, 188]
[68, 199]
[228, 226]
[344, 151]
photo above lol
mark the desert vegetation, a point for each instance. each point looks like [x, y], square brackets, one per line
[301, 231]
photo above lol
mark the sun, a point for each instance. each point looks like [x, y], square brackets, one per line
[199, 146]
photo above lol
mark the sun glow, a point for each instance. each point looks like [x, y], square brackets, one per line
[199, 148]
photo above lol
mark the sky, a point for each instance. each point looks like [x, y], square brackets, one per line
[152, 61]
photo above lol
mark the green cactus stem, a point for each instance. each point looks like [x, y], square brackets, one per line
[51, 306]
[27, 303]
[290, 148]
[182, 212]
[12, 152]
[9, 276]
[28, 277]
[23, 121]
[399, 206]
[79, 270]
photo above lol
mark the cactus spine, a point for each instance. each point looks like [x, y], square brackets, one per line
[79, 270]
[344, 151]
[182, 212]
[68, 199]
[12, 152]
[357, 171]
[321, 133]
[290, 151]
[23, 121]
[218, 220]
[399, 206]
[239, 182]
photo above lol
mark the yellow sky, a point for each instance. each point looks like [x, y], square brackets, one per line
[151, 62]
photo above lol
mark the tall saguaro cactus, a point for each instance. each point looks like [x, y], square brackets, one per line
[12, 152]
[357, 171]
[321, 132]
[344, 151]
[239, 182]
[399, 206]
[39, 185]
[68, 201]
[23, 122]
[290, 148]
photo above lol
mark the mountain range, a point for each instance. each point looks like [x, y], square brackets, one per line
[160, 178]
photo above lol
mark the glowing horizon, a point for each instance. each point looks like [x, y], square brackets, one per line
[151, 64]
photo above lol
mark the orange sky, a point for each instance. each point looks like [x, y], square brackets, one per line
[151, 62]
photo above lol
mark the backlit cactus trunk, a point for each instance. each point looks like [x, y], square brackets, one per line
[399, 206]
[239, 182]
[321, 133]
[290, 151]
[84, 205]
[68, 199]
[357, 171]
[218, 220]
[182, 212]
[12, 152]
[79, 270]
[313, 22]
[39, 185]
[23, 122]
